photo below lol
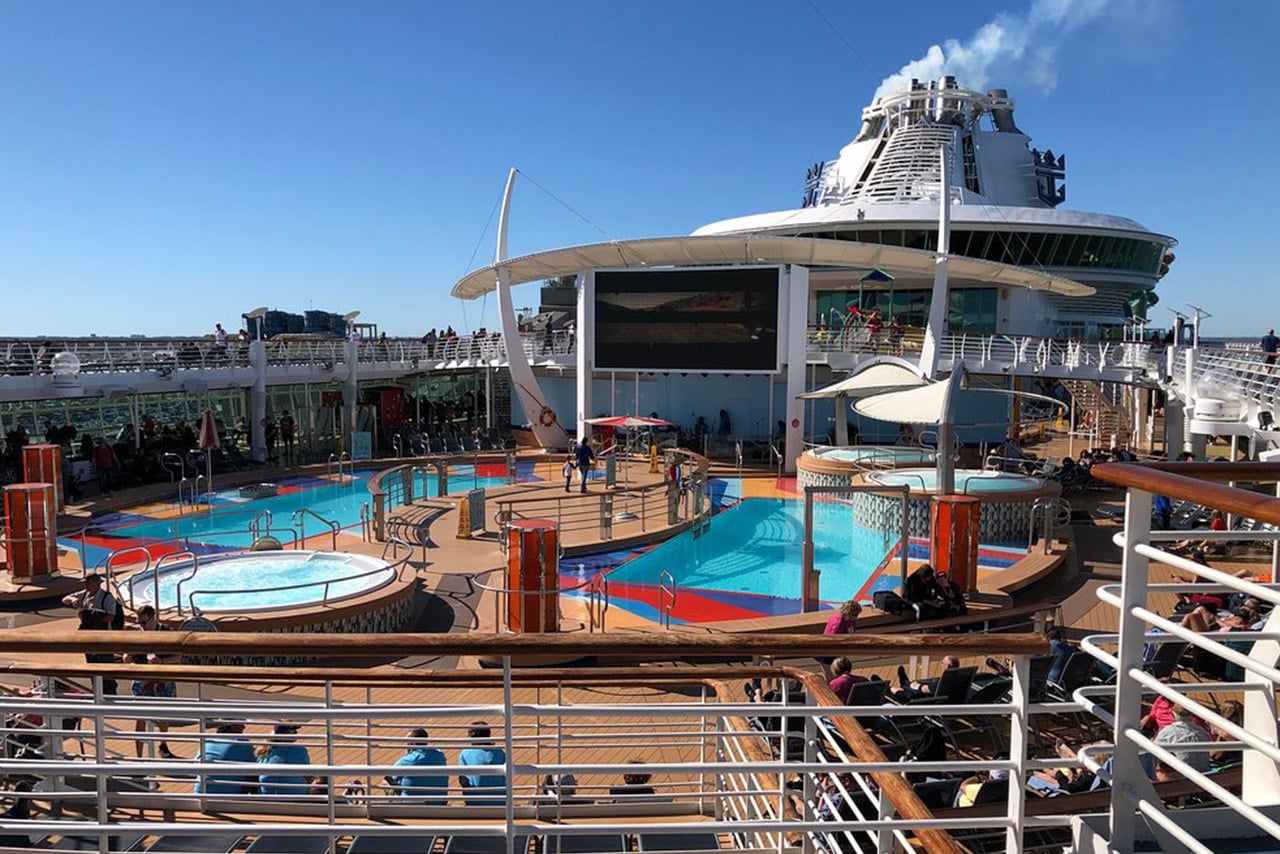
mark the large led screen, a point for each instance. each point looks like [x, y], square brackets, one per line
[687, 320]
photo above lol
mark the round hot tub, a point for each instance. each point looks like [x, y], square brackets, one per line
[1006, 499]
[281, 591]
[968, 481]
[838, 466]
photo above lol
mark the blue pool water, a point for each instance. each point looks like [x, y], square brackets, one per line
[226, 525]
[247, 582]
[754, 548]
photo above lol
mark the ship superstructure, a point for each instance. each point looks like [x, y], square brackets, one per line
[1007, 196]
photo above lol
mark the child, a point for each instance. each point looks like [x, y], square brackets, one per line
[567, 471]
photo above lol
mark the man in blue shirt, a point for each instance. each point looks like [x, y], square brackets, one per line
[227, 749]
[482, 789]
[1270, 347]
[1061, 649]
[585, 459]
[433, 790]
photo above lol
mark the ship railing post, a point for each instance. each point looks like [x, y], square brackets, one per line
[508, 712]
[1019, 723]
[1128, 776]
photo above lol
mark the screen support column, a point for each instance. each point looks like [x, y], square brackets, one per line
[586, 347]
[796, 317]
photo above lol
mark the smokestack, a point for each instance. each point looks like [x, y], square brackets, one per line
[1002, 111]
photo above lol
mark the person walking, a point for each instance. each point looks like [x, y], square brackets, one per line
[585, 458]
[1270, 347]
[219, 342]
[287, 428]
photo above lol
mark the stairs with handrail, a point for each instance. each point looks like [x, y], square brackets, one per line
[1110, 422]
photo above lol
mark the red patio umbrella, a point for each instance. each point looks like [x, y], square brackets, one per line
[207, 438]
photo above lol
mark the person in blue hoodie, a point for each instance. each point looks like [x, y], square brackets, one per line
[429, 789]
[281, 750]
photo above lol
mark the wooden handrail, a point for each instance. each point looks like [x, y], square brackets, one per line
[1202, 484]
[657, 646]
[894, 785]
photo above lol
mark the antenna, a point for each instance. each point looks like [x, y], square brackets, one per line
[1177, 313]
[1200, 312]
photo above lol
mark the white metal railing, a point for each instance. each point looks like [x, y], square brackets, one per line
[1144, 628]
[710, 761]
[991, 349]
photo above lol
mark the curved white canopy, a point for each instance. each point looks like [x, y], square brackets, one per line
[752, 249]
[923, 406]
[875, 379]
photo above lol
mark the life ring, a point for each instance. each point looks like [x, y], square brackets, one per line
[547, 417]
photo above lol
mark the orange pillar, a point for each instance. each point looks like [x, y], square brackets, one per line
[43, 464]
[30, 530]
[533, 577]
[953, 548]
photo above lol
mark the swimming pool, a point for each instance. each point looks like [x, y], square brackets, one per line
[748, 563]
[750, 560]
[256, 581]
[968, 481]
[227, 522]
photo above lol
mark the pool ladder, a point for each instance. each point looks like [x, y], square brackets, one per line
[177, 594]
[341, 459]
[667, 591]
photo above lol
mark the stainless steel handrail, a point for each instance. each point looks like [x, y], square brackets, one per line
[667, 588]
[108, 562]
[299, 519]
[177, 593]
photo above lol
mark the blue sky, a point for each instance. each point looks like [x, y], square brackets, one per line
[167, 165]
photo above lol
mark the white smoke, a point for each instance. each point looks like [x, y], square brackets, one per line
[1022, 44]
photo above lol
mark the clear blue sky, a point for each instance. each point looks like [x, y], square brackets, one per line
[167, 165]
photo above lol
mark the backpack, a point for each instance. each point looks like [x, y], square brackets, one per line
[117, 619]
[890, 602]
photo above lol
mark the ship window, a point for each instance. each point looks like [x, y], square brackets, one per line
[1063, 254]
[1033, 246]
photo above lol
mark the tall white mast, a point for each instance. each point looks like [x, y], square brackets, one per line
[543, 418]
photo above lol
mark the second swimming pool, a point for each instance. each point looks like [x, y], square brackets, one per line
[748, 563]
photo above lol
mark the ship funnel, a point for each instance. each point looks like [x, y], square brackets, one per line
[1002, 111]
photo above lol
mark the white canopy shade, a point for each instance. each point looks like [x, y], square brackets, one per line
[753, 249]
[874, 379]
[924, 405]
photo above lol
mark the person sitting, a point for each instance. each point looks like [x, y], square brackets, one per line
[635, 786]
[430, 789]
[484, 789]
[951, 594]
[843, 680]
[563, 788]
[909, 690]
[280, 750]
[921, 590]
[228, 747]
[1185, 728]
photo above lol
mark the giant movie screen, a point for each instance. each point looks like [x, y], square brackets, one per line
[687, 320]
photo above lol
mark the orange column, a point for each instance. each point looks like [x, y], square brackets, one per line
[43, 464]
[953, 547]
[31, 530]
[533, 577]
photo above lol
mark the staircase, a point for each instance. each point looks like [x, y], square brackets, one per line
[1107, 419]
